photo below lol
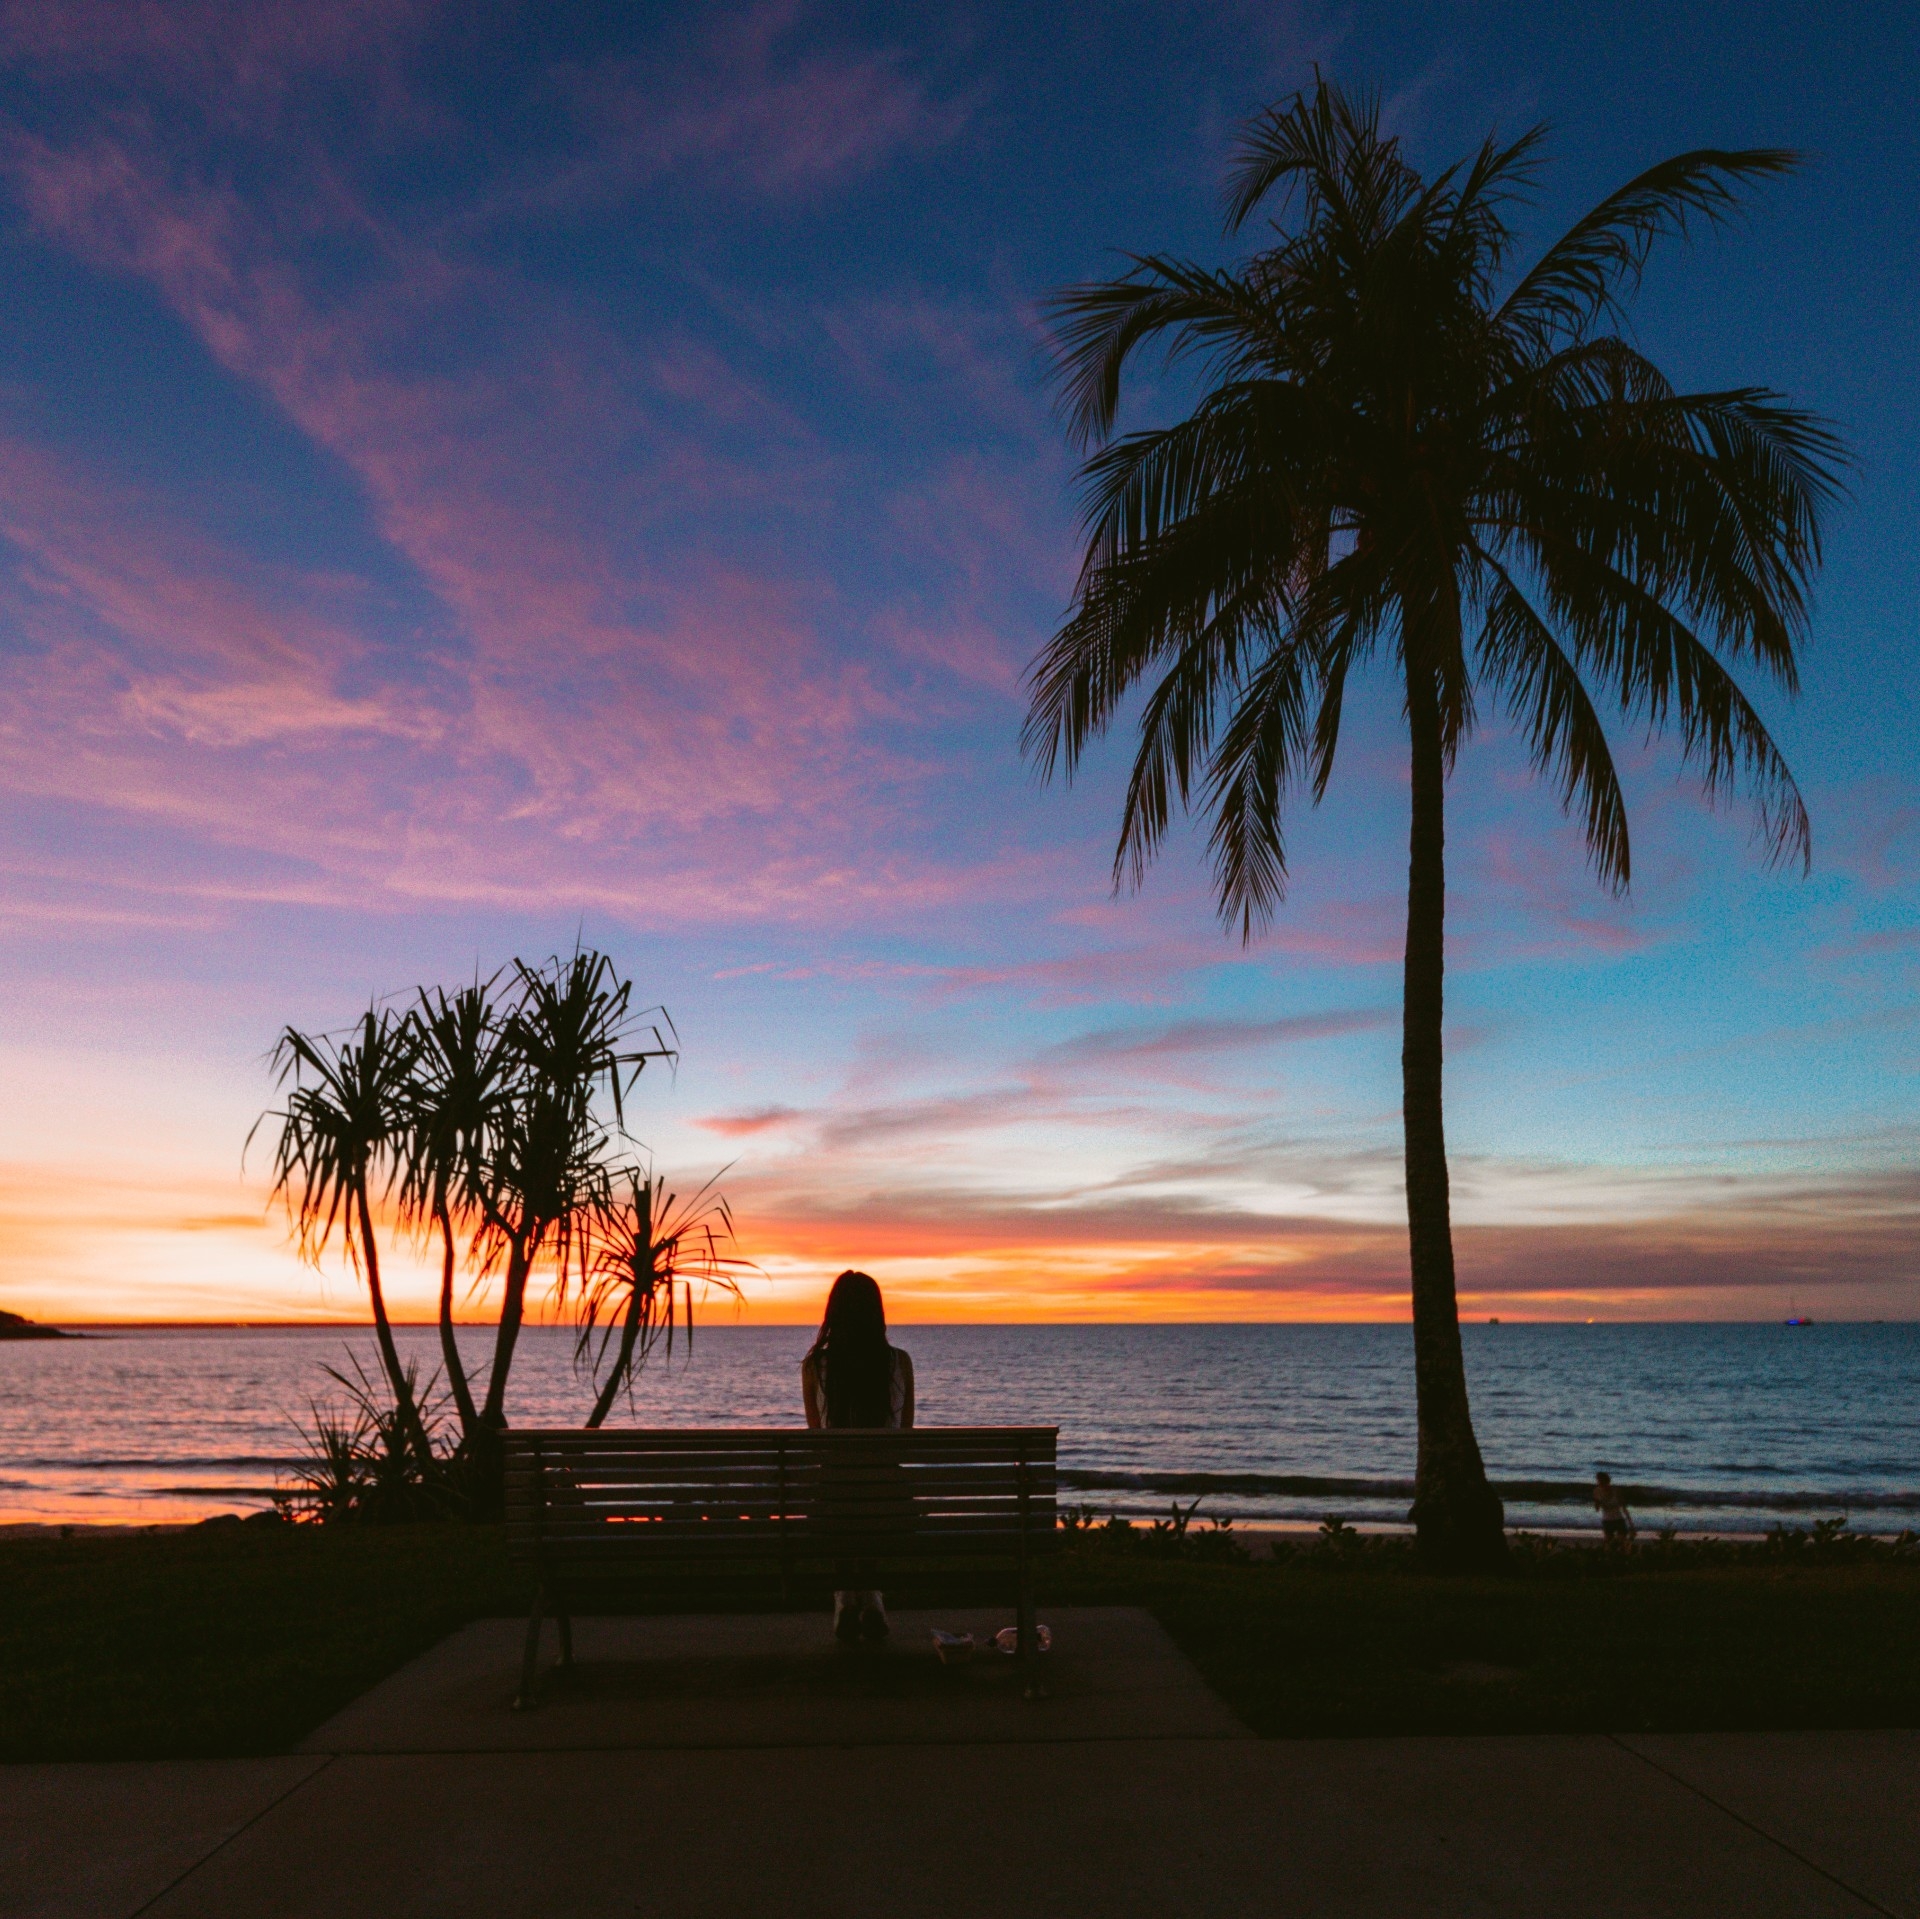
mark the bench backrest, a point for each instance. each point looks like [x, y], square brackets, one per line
[608, 1498]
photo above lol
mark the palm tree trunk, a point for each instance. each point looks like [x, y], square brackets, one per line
[449, 1346]
[383, 1333]
[622, 1366]
[486, 1452]
[1456, 1514]
[512, 1311]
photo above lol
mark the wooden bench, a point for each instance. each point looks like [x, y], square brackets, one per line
[729, 1505]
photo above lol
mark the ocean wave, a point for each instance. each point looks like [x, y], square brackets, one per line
[152, 1462]
[1532, 1492]
[221, 1481]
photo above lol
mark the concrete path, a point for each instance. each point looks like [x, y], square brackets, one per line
[1847, 1802]
[737, 1766]
[777, 1679]
[85, 1842]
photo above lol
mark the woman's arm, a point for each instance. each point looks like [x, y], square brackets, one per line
[906, 1405]
[810, 1393]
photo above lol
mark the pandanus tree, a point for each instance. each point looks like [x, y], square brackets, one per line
[651, 1250]
[1406, 454]
[573, 1047]
[345, 1111]
[459, 1090]
[491, 1122]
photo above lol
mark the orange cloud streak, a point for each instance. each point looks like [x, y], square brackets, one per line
[77, 1249]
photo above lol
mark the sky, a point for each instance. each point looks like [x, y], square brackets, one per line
[478, 477]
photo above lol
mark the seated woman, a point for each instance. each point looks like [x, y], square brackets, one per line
[851, 1376]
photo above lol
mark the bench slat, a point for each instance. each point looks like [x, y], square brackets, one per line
[634, 1512]
[728, 1472]
[559, 1492]
[1003, 1543]
[662, 1438]
[872, 1518]
[1008, 1443]
[693, 1512]
[593, 1505]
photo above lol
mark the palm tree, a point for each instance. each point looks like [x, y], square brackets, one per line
[460, 1085]
[571, 1040]
[344, 1112]
[650, 1251]
[1404, 453]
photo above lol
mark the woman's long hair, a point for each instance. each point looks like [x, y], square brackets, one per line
[855, 1362]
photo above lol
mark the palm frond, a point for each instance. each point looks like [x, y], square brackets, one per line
[1497, 175]
[339, 1127]
[653, 1252]
[1196, 540]
[1177, 725]
[1660, 671]
[1096, 328]
[1385, 452]
[1326, 149]
[1274, 739]
[1551, 708]
[1597, 263]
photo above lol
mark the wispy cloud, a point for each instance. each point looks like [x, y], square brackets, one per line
[766, 118]
[229, 56]
[762, 1119]
[595, 694]
[692, 508]
[1843, 1246]
[1185, 1039]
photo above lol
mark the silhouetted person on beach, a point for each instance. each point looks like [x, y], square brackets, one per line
[1616, 1523]
[852, 1377]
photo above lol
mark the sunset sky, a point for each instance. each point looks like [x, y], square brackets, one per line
[473, 477]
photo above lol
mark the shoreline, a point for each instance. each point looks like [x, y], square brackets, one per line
[1261, 1536]
[759, 1322]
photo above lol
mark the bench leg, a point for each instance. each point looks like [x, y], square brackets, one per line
[1028, 1642]
[529, 1695]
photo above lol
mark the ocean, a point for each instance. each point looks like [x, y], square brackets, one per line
[1716, 1427]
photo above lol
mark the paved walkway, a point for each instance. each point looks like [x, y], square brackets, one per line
[734, 1766]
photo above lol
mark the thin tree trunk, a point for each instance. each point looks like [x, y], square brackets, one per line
[1456, 1514]
[390, 1353]
[449, 1346]
[512, 1311]
[623, 1366]
[487, 1452]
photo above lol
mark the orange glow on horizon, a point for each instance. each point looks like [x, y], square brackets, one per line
[76, 1250]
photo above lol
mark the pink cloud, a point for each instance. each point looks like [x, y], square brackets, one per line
[756, 113]
[211, 647]
[1892, 939]
[1190, 1038]
[890, 343]
[623, 715]
[745, 1125]
[170, 678]
[1851, 1245]
[1872, 834]
[622, 701]
[1533, 893]
[253, 47]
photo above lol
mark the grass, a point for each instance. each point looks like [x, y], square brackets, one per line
[1680, 1642]
[232, 1641]
[222, 1641]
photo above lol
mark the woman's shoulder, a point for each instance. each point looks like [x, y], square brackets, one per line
[901, 1357]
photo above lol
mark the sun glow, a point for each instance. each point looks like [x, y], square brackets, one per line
[77, 1249]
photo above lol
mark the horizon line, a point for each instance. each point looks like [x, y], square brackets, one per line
[432, 1325]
